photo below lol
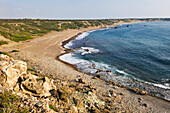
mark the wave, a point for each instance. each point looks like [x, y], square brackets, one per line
[80, 37]
[86, 50]
[109, 72]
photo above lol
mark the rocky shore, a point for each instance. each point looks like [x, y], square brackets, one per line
[40, 93]
[44, 84]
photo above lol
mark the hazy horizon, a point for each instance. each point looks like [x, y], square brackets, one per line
[75, 9]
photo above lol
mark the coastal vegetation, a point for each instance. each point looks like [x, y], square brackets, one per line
[3, 42]
[10, 103]
[41, 90]
[14, 51]
[24, 29]
[5, 53]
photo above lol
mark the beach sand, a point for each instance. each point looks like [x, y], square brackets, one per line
[40, 53]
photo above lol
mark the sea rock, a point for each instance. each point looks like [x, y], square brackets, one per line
[11, 69]
[98, 76]
[143, 92]
[119, 85]
[136, 90]
[94, 77]
[115, 87]
[114, 83]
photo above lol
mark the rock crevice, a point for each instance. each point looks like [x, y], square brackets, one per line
[13, 74]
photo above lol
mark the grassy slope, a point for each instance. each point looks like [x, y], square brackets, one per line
[24, 29]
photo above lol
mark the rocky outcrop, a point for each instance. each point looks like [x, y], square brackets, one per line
[14, 75]
[11, 69]
[36, 86]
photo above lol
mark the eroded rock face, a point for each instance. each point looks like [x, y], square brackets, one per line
[37, 86]
[11, 69]
[13, 74]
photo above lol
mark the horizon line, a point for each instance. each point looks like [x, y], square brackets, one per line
[88, 18]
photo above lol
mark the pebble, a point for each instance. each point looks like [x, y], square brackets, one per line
[136, 90]
[114, 83]
[114, 94]
[81, 80]
[119, 85]
[143, 93]
[39, 104]
[94, 77]
[140, 100]
[109, 95]
[145, 105]
[122, 94]
[98, 76]
[118, 97]
[115, 87]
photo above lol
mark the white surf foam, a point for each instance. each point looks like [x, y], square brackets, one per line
[162, 86]
[86, 66]
[83, 65]
[79, 37]
[88, 50]
[70, 59]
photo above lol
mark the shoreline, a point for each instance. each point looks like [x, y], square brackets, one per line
[66, 41]
[41, 53]
[66, 51]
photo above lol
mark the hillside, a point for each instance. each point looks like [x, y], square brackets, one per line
[24, 29]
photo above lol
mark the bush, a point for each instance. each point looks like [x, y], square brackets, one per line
[54, 108]
[10, 104]
[5, 53]
[17, 38]
[3, 42]
[30, 69]
[15, 51]
[24, 29]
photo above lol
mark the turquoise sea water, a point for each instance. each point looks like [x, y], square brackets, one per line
[139, 52]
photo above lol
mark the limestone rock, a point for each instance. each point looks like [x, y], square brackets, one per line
[13, 73]
[12, 69]
[143, 92]
[37, 86]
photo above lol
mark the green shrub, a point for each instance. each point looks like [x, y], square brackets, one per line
[31, 69]
[54, 108]
[24, 29]
[5, 53]
[17, 38]
[15, 51]
[3, 42]
[10, 104]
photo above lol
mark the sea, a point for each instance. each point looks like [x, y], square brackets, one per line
[135, 55]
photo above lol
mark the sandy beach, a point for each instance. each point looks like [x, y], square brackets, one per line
[40, 53]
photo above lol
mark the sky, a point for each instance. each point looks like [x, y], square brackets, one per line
[84, 9]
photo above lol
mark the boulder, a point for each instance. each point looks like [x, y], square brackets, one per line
[37, 86]
[11, 69]
[13, 74]
[143, 92]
